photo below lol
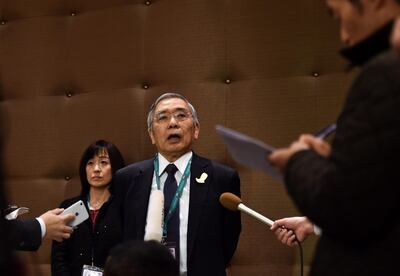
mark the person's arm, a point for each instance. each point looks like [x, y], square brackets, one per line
[288, 229]
[25, 234]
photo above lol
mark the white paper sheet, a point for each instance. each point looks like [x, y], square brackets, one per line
[248, 151]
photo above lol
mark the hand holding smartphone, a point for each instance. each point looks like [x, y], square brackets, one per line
[79, 210]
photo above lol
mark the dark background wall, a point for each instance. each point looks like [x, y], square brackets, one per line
[73, 71]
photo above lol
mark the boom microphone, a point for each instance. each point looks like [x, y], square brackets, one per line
[234, 203]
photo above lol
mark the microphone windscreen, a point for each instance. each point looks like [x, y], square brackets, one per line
[155, 216]
[230, 201]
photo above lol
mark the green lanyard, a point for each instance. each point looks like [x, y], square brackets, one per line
[178, 192]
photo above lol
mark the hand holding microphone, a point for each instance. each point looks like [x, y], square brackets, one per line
[285, 230]
[234, 203]
[301, 228]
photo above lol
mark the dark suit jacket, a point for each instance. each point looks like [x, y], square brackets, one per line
[213, 231]
[25, 234]
[354, 194]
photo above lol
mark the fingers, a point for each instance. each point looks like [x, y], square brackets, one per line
[67, 218]
[317, 144]
[279, 158]
[61, 236]
[286, 236]
[275, 225]
[68, 229]
[66, 236]
[57, 211]
[292, 240]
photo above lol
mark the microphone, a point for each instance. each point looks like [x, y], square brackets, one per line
[155, 217]
[234, 203]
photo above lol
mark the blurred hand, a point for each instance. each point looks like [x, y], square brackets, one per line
[316, 144]
[56, 228]
[280, 157]
[395, 39]
[287, 229]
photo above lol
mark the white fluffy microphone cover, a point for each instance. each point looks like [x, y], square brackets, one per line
[155, 216]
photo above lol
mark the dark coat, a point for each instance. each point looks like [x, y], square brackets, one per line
[213, 232]
[354, 195]
[25, 234]
[69, 256]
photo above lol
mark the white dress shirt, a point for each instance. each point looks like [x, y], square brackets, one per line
[42, 226]
[181, 164]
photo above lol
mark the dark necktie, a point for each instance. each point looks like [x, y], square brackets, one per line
[170, 187]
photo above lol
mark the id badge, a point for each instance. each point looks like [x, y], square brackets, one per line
[89, 270]
[172, 248]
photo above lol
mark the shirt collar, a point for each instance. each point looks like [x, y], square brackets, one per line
[180, 163]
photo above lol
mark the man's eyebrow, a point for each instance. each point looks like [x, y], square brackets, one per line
[174, 110]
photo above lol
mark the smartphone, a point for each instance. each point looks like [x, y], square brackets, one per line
[79, 210]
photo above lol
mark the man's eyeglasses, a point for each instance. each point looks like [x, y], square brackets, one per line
[165, 117]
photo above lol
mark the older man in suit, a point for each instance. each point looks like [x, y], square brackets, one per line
[201, 233]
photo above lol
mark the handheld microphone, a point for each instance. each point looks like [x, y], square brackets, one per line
[234, 203]
[155, 217]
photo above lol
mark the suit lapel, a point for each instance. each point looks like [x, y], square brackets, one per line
[198, 193]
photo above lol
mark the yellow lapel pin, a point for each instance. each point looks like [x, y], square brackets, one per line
[202, 178]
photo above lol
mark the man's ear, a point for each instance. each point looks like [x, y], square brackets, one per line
[153, 141]
[196, 131]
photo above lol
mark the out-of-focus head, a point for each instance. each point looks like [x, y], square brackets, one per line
[98, 165]
[141, 258]
[173, 125]
[360, 18]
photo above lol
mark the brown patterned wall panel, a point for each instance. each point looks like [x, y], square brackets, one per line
[75, 71]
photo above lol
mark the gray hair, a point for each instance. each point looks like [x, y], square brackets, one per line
[150, 114]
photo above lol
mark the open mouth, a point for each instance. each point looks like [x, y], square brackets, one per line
[174, 137]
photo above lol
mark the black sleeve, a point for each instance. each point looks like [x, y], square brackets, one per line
[25, 234]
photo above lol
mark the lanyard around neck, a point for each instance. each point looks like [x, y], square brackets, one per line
[178, 193]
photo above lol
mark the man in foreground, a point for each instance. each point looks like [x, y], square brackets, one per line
[351, 189]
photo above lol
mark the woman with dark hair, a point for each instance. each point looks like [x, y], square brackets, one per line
[92, 240]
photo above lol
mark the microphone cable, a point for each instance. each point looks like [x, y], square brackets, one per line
[301, 256]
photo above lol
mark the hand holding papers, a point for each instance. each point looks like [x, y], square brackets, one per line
[254, 153]
[248, 151]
